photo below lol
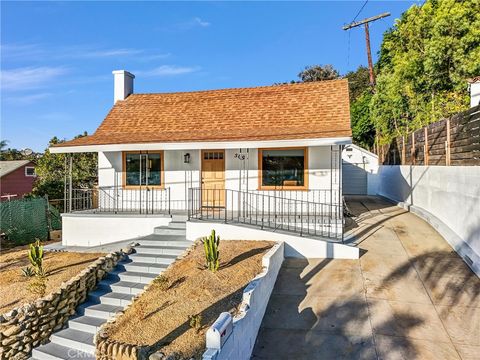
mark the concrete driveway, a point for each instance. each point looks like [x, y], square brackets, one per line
[408, 297]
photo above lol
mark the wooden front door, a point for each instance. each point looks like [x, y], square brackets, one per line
[213, 178]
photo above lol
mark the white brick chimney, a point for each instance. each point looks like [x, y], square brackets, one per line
[122, 84]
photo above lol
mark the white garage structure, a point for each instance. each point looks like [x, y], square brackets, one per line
[359, 167]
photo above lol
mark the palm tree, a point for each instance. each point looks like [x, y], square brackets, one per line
[3, 144]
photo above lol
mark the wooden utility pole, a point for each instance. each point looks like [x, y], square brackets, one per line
[367, 39]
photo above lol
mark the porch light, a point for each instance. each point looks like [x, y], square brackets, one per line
[186, 158]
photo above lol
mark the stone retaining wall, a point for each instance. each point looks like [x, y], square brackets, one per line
[30, 325]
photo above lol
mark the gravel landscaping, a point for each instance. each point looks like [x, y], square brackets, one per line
[160, 318]
[60, 266]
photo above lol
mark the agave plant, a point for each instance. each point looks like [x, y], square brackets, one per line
[211, 244]
[28, 272]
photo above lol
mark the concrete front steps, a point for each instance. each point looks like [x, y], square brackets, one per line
[114, 292]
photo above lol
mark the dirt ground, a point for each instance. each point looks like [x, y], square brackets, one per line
[61, 266]
[160, 317]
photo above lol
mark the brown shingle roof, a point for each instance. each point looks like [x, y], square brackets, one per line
[293, 111]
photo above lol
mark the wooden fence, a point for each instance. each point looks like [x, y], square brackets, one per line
[454, 141]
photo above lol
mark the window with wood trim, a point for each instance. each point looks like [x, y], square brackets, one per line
[283, 169]
[143, 169]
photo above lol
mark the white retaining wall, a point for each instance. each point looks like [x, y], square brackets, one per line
[239, 344]
[295, 246]
[448, 197]
[83, 229]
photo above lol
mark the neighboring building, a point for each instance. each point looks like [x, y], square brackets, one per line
[267, 156]
[16, 178]
[360, 168]
[474, 91]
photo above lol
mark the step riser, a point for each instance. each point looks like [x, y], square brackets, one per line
[177, 225]
[90, 349]
[92, 329]
[182, 243]
[135, 279]
[37, 354]
[168, 231]
[159, 251]
[124, 289]
[110, 301]
[98, 313]
[148, 269]
[152, 260]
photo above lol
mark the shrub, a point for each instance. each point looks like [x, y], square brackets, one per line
[211, 244]
[38, 285]
[195, 321]
[162, 282]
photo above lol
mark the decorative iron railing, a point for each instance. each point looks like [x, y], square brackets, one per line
[116, 199]
[267, 210]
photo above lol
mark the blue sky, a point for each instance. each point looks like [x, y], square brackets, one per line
[57, 57]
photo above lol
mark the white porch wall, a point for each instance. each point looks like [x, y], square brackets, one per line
[180, 176]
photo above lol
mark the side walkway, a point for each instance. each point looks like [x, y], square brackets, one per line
[409, 296]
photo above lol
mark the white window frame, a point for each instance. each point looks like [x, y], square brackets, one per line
[30, 167]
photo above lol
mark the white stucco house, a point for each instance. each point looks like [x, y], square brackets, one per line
[263, 159]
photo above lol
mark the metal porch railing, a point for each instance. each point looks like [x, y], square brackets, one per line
[118, 200]
[273, 211]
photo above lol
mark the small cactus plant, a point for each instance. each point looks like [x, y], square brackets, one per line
[211, 244]
[35, 255]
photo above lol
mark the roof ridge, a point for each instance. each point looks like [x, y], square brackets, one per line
[275, 86]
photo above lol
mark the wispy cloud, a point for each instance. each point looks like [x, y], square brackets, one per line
[27, 99]
[40, 51]
[26, 78]
[196, 22]
[19, 51]
[200, 22]
[89, 53]
[167, 70]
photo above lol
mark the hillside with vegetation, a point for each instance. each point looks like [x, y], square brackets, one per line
[422, 72]
[423, 67]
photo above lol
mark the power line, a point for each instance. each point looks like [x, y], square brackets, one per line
[359, 11]
[365, 22]
[355, 18]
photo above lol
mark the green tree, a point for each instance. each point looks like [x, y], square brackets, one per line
[318, 73]
[423, 65]
[50, 169]
[358, 82]
[363, 129]
[9, 154]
